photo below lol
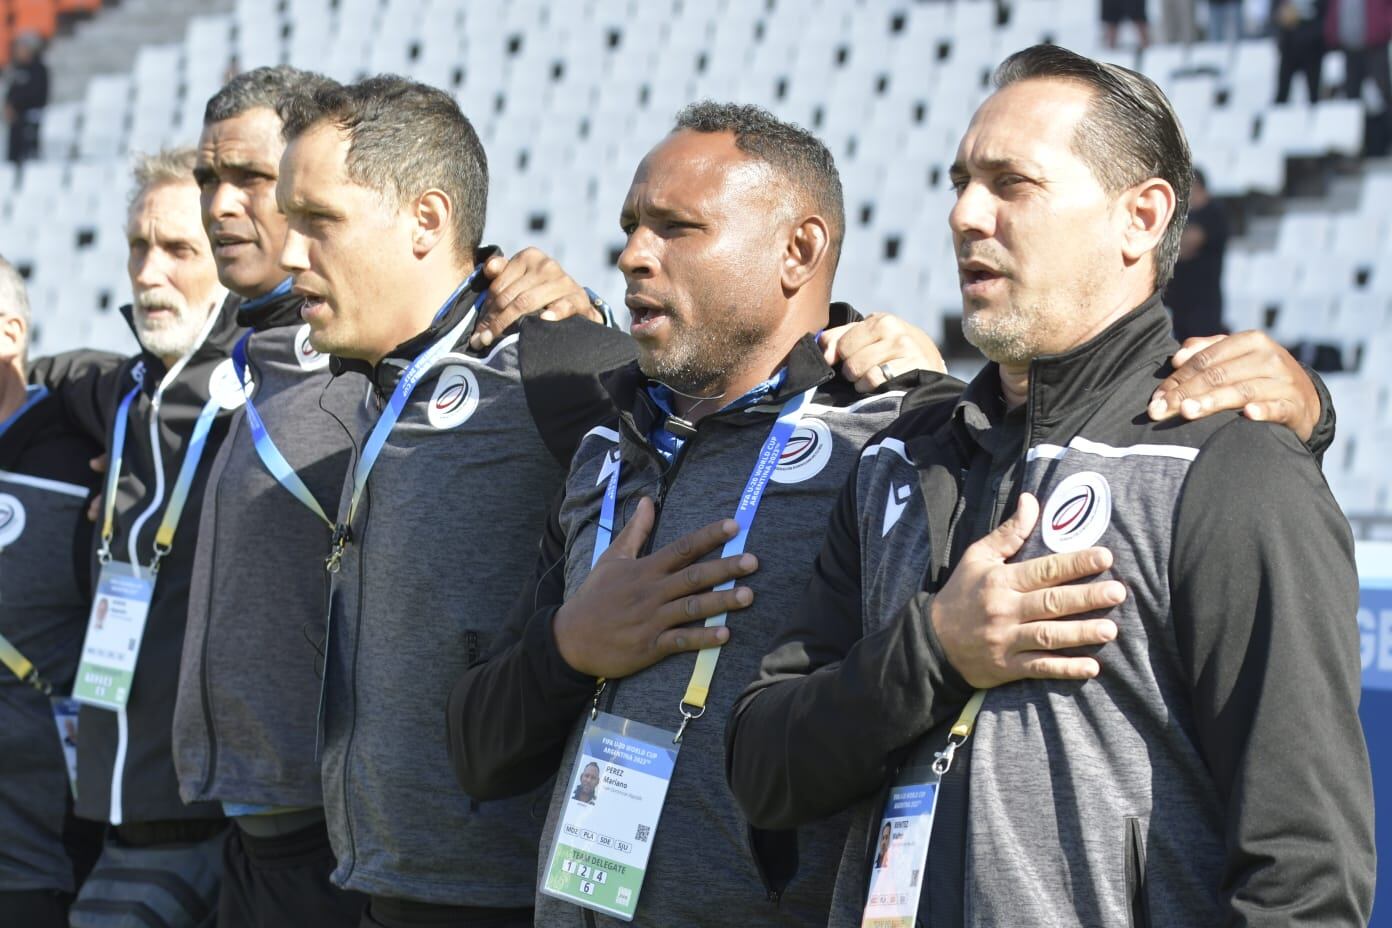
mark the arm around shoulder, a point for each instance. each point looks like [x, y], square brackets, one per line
[1265, 599]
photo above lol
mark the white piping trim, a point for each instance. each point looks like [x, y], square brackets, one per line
[602, 432]
[499, 347]
[1055, 452]
[853, 407]
[43, 483]
[889, 444]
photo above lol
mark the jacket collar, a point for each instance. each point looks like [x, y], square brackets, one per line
[385, 373]
[805, 366]
[272, 310]
[1077, 381]
[216, 346]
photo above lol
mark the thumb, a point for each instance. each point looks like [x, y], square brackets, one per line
[99, 463]
[1010, 535]
[635, 533]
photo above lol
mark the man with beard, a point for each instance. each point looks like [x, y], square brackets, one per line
[1203, 766]
[45, 554]
[456, 455]
[245, 720]
[734, 224]
[161, 414]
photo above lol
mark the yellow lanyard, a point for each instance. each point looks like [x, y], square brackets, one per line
[22, 667]
[961, 731]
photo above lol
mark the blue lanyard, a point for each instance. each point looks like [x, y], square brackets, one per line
[377, 439]
[693, 704]
[265, 446]
[178, 496]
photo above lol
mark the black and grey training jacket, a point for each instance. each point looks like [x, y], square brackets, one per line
[125, 762]
[1214, 773]
[515, 719]
[244, 725]
[444, 538]
[45, 585]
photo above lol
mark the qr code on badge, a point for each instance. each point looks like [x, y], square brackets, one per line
[643, 832]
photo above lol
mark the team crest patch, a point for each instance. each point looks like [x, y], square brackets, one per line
[806, 454]
[1077, 513]
[309, 358]
[137, 371]
[11, 520]
[455, 399]
[226, 388]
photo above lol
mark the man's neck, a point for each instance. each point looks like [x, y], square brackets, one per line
[1014, 384]
[418, 311]
[14, 389]
[762, 363]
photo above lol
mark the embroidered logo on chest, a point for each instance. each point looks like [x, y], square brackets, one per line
[1077, 513]
[806, 454]
[11, 520]
[306, 355]
[455, 399]
[224, 386]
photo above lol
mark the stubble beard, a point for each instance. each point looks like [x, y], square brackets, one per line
[699, 360]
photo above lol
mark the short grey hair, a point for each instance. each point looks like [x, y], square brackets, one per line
[167, 166]
[261, 88]
[14, 295]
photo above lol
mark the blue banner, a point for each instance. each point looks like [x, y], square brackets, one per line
[1375, 639]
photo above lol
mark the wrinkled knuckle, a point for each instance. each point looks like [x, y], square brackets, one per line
[1215, 376]
[1046, 636]
[1247, 391]
[691, 606]
[1053, 602]
[1048, 570]
[692, 575]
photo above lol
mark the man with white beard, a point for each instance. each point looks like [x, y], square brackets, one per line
[161, 415]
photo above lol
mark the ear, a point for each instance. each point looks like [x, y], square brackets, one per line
[1149, 208]
[14, 338]
[431, 216]
[806, 250]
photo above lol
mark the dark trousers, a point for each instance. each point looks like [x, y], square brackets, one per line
[1302, 52]
[1368, 64]
[283, 882]
[383, 912]
[24, 138]
[35, 908]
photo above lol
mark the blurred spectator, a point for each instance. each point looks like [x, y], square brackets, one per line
[26, 97]
[1195, 295]
[1362, 29]
[1224, 20]
[1300, 38]
[1116, 12]
[1177, 21]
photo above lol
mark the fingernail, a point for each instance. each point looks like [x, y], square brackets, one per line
[1109, 631]
[1190, 408]
[748, 562]
[722, 635]
[1156, 408]
[729, 527]
[744, 595]
[485, 338]
[549, 316]
[1116, 592]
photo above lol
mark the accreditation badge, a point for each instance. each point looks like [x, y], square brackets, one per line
[901, 851]
[114, 631]
[613, 802]
[65, 718]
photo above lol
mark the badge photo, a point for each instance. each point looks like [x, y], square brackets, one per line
[1077, 512]
[306, 355]
[224, 386]
[455, 399]
[11, 519]
[807, 452]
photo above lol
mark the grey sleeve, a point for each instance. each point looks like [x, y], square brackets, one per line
[824, 723]
[1265, 600]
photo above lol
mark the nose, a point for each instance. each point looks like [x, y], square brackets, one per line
[637, 261]
[294, 256]
[973, 216]
[147, 270]
[223, 200]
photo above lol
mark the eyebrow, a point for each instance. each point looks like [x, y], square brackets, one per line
[959, 168]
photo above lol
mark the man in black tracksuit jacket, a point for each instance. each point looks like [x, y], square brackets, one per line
[126, 775]
[45, 551]
[1206, 765]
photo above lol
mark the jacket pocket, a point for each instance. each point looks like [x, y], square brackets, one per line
[1135, 874]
